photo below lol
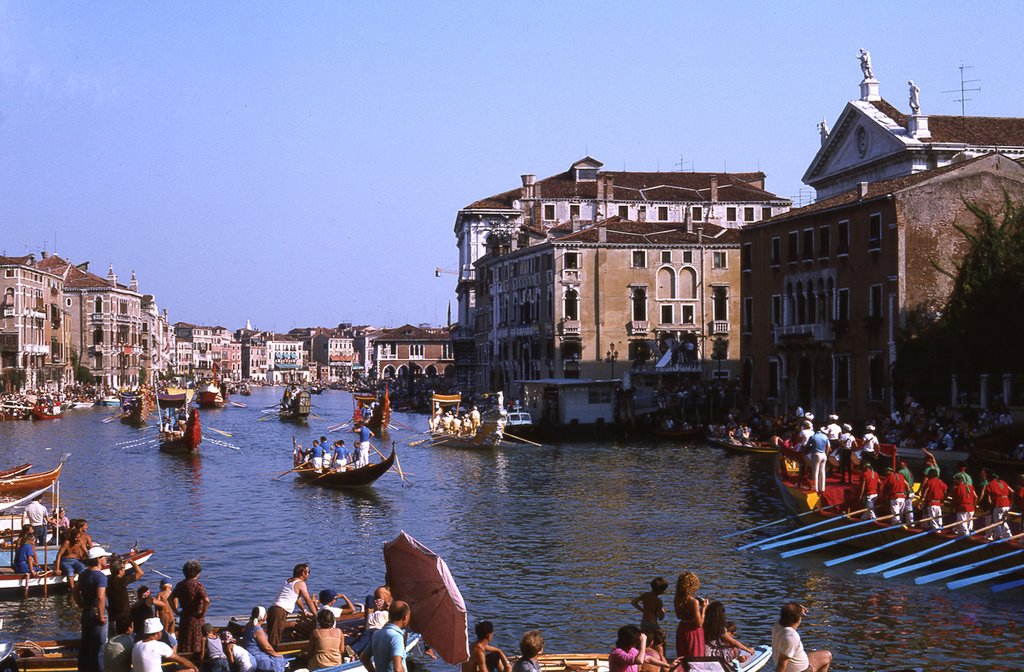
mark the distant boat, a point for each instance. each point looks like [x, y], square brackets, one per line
[352, 478]
[108, 400]
[179, 434]
[369, 411]
[295, 405]
[47, 410]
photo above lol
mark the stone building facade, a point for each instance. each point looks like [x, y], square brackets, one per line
[415, 352]
[34, 330]
[828, 287]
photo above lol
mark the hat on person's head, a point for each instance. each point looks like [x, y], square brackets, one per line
[207, 628]
[152, 626]
[809, 416]
[165, 581]
[327, 595]
[870, 428]
[847, 427]
[833, 417]
[98, 552]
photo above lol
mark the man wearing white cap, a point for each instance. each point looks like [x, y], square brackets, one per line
[149, 652]
[90, 593]
[846, 442]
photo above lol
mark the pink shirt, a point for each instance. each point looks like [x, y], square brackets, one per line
[622, 661]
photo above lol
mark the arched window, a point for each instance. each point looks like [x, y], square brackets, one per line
[801, 304]
[666, 283]
[97, 337]
[639, 303]
[571, 310]
[687, 283]
[830, 307]
[99, 305]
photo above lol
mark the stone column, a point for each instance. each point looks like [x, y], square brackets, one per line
[954, 392]
[1007, 388]
[983, 390]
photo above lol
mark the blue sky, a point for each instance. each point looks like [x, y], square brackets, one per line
[301, 163]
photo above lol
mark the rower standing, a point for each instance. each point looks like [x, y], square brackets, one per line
[999, 497]
[869, 489]
[964, 501]
[933, 491]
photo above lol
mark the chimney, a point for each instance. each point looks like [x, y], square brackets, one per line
[862, 190]
[111, 278]
[133, 284]
[44, 254]
[600, 188]
[714, 188]
[602, 234]
[609, 188]
[529, 182]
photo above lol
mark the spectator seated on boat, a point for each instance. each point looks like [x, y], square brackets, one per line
[530, 647]
[117, 652]
[213, 656]
[238, 657]
[376, 617]
[326, 643]
[718, 640]
[327, 598]
[25, 561]
[255, 642]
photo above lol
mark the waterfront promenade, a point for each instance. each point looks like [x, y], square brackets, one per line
[559, 537]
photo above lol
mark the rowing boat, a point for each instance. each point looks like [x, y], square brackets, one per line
[15, 471]
[812, 509]
[44, 410]
[598, 662]
[374, 413]
[294, 405]
[10, 582]
[732, 445]
[351, 478]
[19, 485]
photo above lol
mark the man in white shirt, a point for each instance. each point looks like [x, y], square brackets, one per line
[869, 446]
[37, 516]
[787, 649]
[149, 652]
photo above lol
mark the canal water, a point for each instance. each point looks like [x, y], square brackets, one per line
[559, 538]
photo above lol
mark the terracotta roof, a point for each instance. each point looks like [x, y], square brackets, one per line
[627, 232]
[642, 186]
[74, 277]
[27, 260]
[408, 332]
[875, 190]
[986, 131]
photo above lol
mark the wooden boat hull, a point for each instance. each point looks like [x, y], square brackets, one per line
[1000, 460]
[15, 471]
[211, 399]
[598, 662]
[296, 408]
[353, 478]
[380, 416]
[40, 412]
[25, 484]
[186, 443]
[754, 447]
[800, 502]
[11, 583]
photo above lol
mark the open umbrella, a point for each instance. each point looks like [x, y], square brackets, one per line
[417, 575]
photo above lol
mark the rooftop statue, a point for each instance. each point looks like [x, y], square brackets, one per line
[865, 64]
[915, 100]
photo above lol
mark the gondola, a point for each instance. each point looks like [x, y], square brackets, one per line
[295, 406]
[598, 662]
[136, 407]
[186, 440]
[15, 471]
[351, 478]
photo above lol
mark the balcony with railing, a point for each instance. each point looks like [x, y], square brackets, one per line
[816, 332]
[719, 327]
[569, 328]
[638, 327]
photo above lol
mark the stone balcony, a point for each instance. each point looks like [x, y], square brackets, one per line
[638, 328]
[719, 327]
[569, 328]
[817, 333]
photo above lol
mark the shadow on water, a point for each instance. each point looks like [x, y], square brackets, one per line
[556, 537]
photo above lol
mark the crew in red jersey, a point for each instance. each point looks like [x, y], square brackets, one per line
[999, 498]
[869, 489]
[933, 491]
[894, 490]
[964, 501]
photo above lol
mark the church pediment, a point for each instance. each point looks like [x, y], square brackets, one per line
[861, 135]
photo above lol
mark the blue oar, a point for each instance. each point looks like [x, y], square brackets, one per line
[795, 530]
[786, 542]
[954, 585]
[860, 554]
[928, 578]
[776, 522]
[833, 542]
[1000, 587]
[888, 573]
[889, 564]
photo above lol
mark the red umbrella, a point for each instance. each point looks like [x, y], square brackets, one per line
[417, 575]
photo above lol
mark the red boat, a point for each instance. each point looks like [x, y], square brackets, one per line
[213, 394]
[187, 441]
[47, 410]
[367, 410]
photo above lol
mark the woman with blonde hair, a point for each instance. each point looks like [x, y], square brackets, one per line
[690, 612]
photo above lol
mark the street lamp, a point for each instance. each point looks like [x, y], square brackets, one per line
[610, 358]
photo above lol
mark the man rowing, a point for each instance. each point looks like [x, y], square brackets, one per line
[998, 493]
[964, 501]
[894, 490]
[933, 492]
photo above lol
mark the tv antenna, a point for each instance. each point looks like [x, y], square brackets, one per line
[963, 90]
[683, 164]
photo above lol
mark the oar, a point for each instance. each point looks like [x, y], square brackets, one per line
[833, 542]
[400, 472]
[238, 405]
[956, 585]
[219, 431]
[928, 578]
[793, 531]
[519, 438]
[416, 443]
[1000, 587]
[315, 416]
[396, 466]
[295, 468]
[860, 554]
[913, 556]
[888, 574]
[785, 542]
[774, 522]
